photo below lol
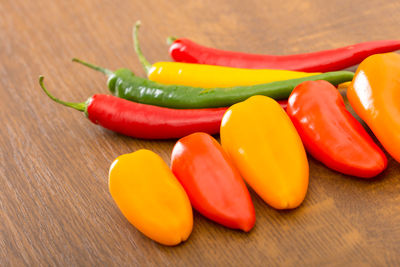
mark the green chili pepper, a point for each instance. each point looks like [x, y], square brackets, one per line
[123, 83]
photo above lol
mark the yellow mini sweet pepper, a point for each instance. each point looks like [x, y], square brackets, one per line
[150, 197]
[264, 145]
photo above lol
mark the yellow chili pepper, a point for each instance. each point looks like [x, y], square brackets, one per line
[209, 76]
[263, 143]
[374, 95]
[150, 197]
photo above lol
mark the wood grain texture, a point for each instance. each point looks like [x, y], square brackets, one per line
[55, 205]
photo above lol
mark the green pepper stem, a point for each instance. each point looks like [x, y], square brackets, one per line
[94, 67]
[77, 106]
[146, 64]
[171, 40]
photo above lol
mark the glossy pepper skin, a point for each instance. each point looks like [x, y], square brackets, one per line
[264, 145]
[145, 121]
[209, 76]
[330, 133]
[213, 184]
[123, 83]
[184, 50]
[374, 95]
[150, 197]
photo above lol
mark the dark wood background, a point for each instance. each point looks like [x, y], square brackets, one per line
[55, 204]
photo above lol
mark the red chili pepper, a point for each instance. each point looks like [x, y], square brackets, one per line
[330, 133]
[145, 121]
[184, 50]
[213, 184]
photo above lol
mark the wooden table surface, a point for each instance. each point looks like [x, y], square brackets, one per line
[55, 204]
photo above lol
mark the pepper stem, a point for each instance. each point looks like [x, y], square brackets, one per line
[94, 67]
[171, 40]
[146, 65]
[77, 106]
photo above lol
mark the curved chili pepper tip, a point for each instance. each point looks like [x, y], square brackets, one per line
[94, 67]
[146, 65]
[77, 106]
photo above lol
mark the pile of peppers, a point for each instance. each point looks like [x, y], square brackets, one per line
[269, 111]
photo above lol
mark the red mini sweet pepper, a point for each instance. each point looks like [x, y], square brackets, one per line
[330, 133]
[213, 184]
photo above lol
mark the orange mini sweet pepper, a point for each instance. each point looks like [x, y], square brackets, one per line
[374, 95]
[265, 147]
[150, 197]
